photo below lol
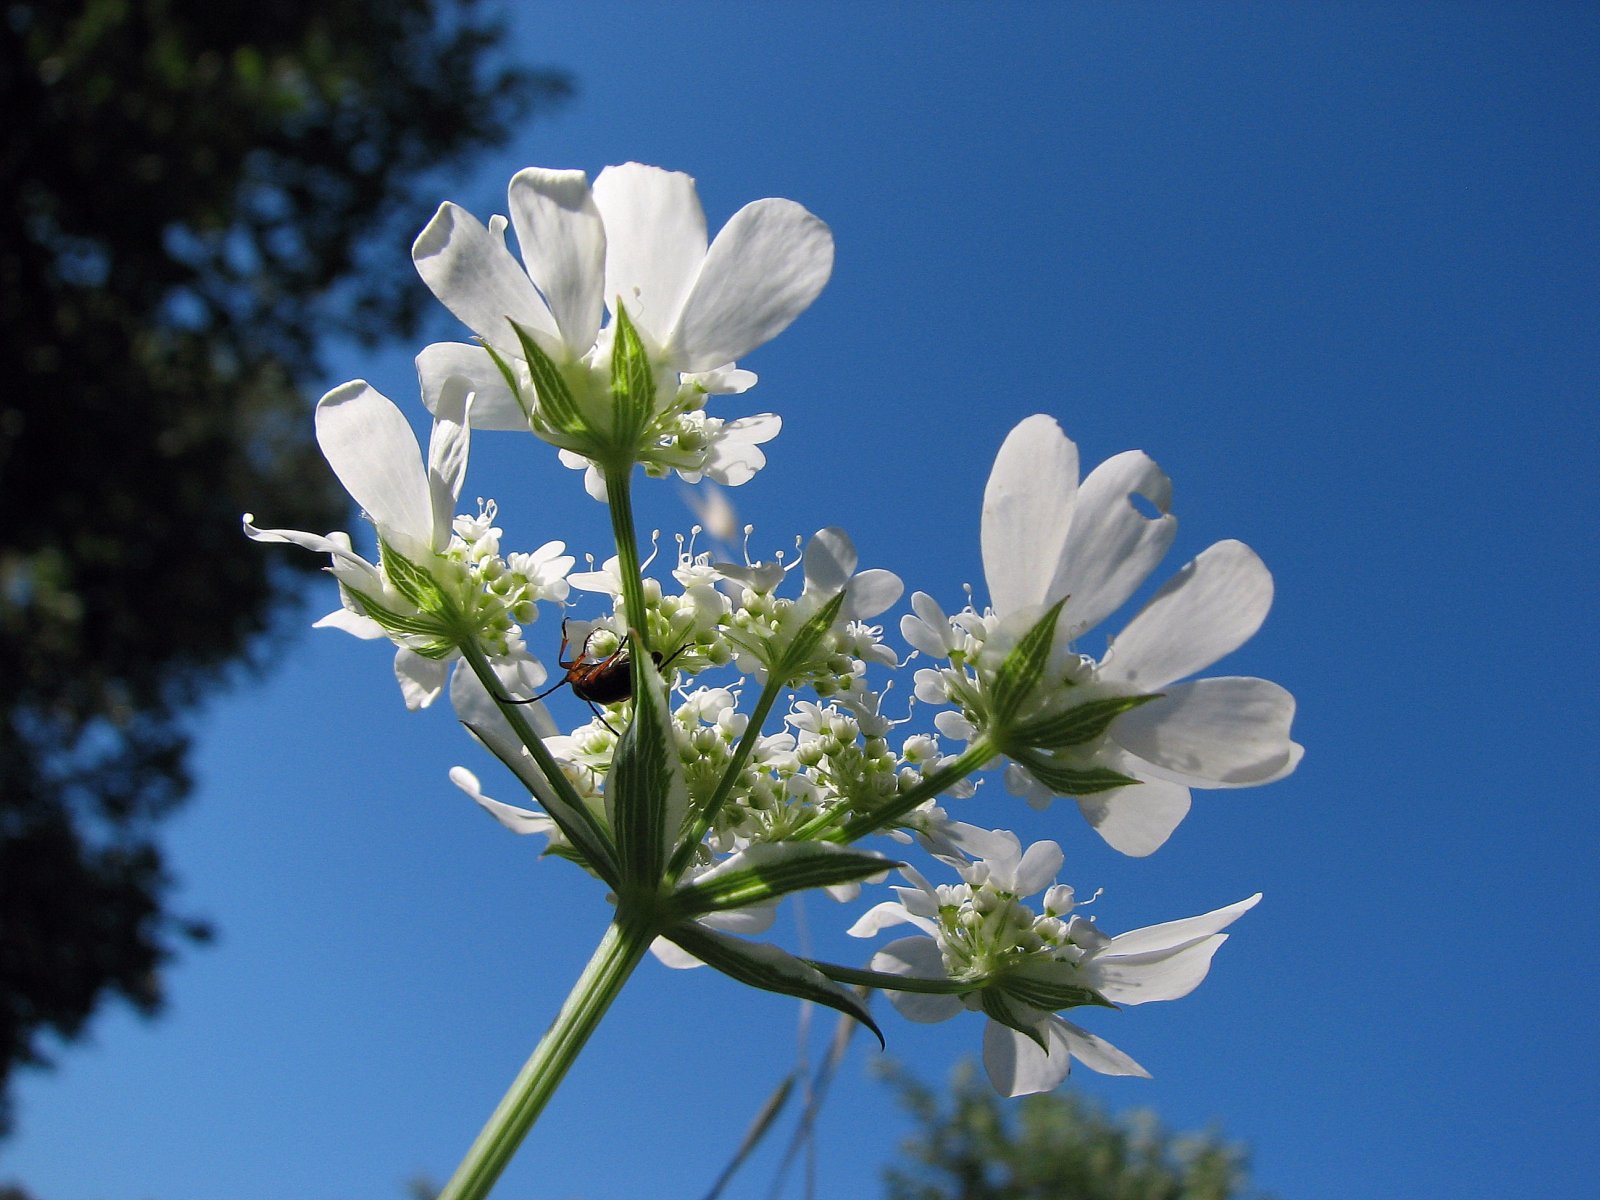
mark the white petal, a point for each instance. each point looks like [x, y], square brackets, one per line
[734, 456]
[1027, 513]
[1208, 609]
[477, 279]
[766, 267]
[1136, 820]
[882, 916]
[655, 242]
[1015, 1064]
[1220, 732]
[1114, 545]
[1175, 934]
[757, 918]
[870, 593]
[370, 446]
[493, 405]
[518, 820]
[670, 954]
[353, 623]
[564, 248]
[1096, 1053]
[448, 449]
[1038, 868]
[829, 559]
[919, 958]
[421, 679]
[1141, 979]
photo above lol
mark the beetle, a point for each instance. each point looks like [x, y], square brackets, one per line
[599, 681]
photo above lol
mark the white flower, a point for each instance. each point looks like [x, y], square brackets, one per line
[979, 932]
[638, 238]
[438, 578]
[1047, 539]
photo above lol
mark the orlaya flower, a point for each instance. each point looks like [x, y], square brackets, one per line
[637, 240]
[1122, 734]
[426, 592]
[1022, 965]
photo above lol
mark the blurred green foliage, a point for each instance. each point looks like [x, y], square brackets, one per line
[972, 1145]
[197, 196]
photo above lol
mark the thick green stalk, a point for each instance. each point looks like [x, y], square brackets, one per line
[619, 498]
[619, 952]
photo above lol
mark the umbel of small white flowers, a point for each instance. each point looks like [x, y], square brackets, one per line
[701, 803]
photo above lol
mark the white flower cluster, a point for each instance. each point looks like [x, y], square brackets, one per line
[701, 804]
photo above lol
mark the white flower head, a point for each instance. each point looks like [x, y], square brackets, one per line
[1024, 966]
[635, 243]
[1122, 735]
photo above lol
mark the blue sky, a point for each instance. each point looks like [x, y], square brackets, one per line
[1335, 267]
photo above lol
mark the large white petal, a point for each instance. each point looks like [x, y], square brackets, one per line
[655, 242]
[1114, 545]
[869, 593]
[371, 448]
[475, 276]
[518, 820]
[1220, 732]
[1138, 819]
[829, 559]
[494, 406]
[1096, 1053]
[1208, 609]
[1141, 979]
[919, 958]
[448, 448]
[564, 248]
[1015, 1064]
[1028, 513]
[765, 268]
[1170, 935]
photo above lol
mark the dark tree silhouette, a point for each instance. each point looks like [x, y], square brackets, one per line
[1056, 1146]
[196, 195]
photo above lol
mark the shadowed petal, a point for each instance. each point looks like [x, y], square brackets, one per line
[473, 274]
[1218, 732]
[655, 243]
[372, 450]
[564, 248]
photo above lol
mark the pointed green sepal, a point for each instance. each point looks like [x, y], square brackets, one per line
[509, 374]
[765, 966]
[633, 381]
[1022, 669]
[1072, 781]
[1013, 1014]
[410, 580]
[1042, 990]
[1079, 724]
[646, 796]
[555, 408]
[768, 870]
[796, 659]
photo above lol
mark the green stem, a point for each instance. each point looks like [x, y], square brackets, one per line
[619, 952]
[741, 754]
[596, 846]
[619, 498]
[826, 825]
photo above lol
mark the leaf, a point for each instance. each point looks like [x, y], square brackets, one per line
[1022, 669]
[768, 870]
[765, 966]
[1079, 724]
[646, 796]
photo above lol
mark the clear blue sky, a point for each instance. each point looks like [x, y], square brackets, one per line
[1335, 267]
